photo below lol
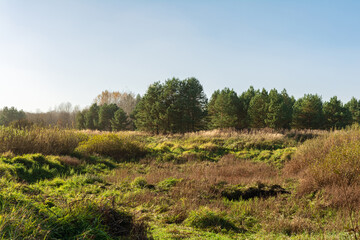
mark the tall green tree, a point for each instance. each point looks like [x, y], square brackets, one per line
[336, 115]
[224, 109]
[120, 120]
[171, 116]
[175, 106]
[279, 111]
[80, 122]
[92, 117]
[106, 114]
[245, 99]
[308, 112]
[354, 107]
[8, 115]
[258, 109]
[149, 110]
[193, 105]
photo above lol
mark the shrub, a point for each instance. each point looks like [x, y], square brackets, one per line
[330, 163]
[118, 147]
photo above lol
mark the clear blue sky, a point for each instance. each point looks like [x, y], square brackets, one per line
[59, 51]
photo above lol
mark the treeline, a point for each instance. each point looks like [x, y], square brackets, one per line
[173, 107]
[178, 106]
[112, 111]
[62, 116]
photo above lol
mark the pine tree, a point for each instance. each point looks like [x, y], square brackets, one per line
[120, 121]
[354, 107]
[106, 113]
[308, 112]
[279, 112]
[8, 115]
[245, 99]
[336, 115]
[80, 119]
[258, 109]
[224, 109]
[92, 117]
[193, 105]
[149, 110]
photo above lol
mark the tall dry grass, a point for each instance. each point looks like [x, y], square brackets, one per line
[264, 133]
[39, 140]
[329, 164]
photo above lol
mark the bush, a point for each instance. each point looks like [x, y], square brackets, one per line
[118, 147]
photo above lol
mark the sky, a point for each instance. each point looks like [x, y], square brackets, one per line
[71, 50]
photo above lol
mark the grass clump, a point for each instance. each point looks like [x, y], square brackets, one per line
[90, 220]
[120, 148]
[34, 167]
[139, 182]
[205, 218]
[167, 184]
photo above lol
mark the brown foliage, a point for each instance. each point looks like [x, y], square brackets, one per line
[330, 164]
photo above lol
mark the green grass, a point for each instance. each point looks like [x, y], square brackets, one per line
[63, 184]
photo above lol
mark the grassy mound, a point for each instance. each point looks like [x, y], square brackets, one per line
[118, 147]
[204, 218]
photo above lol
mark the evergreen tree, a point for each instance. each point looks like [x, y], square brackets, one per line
[193, 105]
[258, 109]
[9, 115]
[171, 115]
[288, 108]
[80, 119]
[336, 115]
[92, 117]
[175, 106]
[279, 110]
[120, 121]
[308, 112]
[245, 99]
[149, 109]
[224, 109]
[106, 113]
[354, 107]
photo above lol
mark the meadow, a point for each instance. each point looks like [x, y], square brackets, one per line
[219, 184]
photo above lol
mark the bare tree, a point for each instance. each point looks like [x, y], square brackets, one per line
[125, 100]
